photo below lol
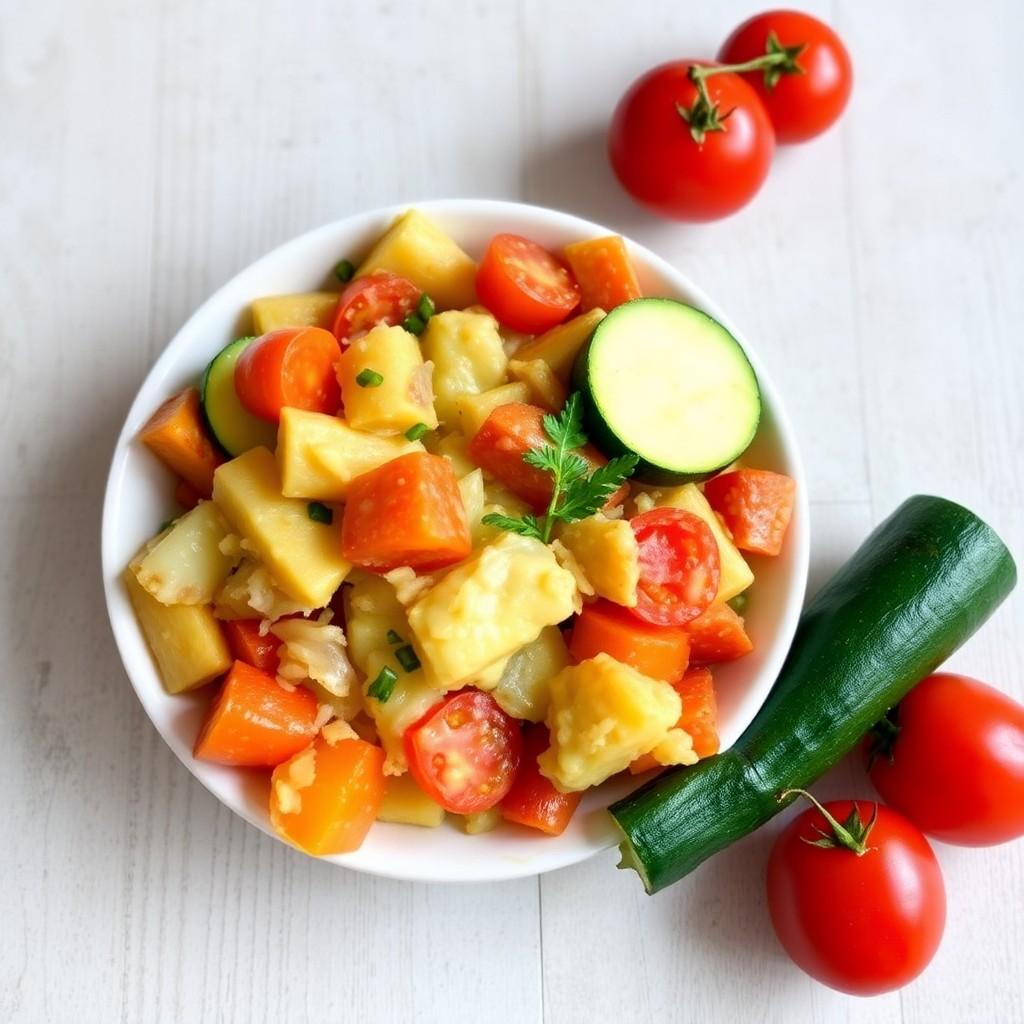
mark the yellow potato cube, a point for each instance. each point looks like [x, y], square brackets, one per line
[481, 821]
[522, 691]
[488, 607]
[405, 803]
[186, 564]
[186, 641]
[608, 554]
[472, 410]
[319, 456]
[309, 309]
[736, 575]
[416, 248]
[560, 346]
[471, 487]
[303, 556]
[468, 358]
[545, 389]
[385, 385]
[602, 716]
[455, 448]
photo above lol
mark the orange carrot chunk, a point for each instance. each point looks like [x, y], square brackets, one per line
[186, 495]
[756, 506]
[660, 652]
[177, 436]
[255, 721]
[717, 635]
[407, 512]
[699, 718]
[533, 800]
[603, 271]
[246, 643]
[326, 797]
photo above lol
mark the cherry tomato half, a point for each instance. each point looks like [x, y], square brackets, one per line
[862, 924]
[526, 287]
[807, 99]
[464, 753]
[679, 566]
[291, 367]
[660, 164]
[379, 298]
[956, 765]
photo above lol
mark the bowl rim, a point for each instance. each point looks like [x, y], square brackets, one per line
[501, 868]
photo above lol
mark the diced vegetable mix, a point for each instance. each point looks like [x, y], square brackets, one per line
[436, 595]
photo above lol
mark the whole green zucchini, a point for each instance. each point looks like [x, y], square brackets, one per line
[914, 591]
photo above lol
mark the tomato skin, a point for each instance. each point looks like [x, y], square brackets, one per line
[860, 924]
[957, 768]
[800, 106]
[660, 165]
[291, 367]
[465, 752]
[524, 286]
[679, 566]
[379, 298]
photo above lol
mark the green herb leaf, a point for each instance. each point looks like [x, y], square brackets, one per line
[425, 308]
[392, 637]
[526, 526]
[416, 431]
[407, 658]
[586, 495]
[319, 512]
[383, 686]
[345, 271]
[369, 378]
[566, 429]
[414, 323]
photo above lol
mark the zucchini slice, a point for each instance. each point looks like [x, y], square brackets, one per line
[234, 428]
[667, 382]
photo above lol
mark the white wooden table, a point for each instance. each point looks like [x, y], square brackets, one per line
[151, 149]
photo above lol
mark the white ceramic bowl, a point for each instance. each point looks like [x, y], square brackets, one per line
[139, 497]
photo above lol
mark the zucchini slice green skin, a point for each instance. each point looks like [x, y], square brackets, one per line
[915, 590]
[233, 427]
[605, 412]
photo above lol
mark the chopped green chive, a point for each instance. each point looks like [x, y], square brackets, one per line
[319, 512]
[738, 603]
[407, 658]
[414, 323]
[425, 307]
[369, 379]
[416, 431]
[345, 271]
[393, 637]
[383, 686]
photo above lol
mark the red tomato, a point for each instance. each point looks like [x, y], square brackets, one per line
[679, 567]
[861, 924]
[526, 287]
[379, 298]
[808, 97]
[956, 765]
[464, 752]
[655, 156]
[291, 367]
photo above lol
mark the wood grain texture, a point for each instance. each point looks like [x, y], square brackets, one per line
[154, 148]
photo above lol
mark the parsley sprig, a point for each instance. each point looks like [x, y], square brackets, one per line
[577, 493]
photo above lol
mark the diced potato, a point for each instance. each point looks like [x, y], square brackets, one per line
[523, 689]
[405, 803]
[488, 607]
[404, 396]
[303, 556]
[344, 705]
[471, 487]
[560, 346]
[250, 592]
[608, 554]
[468, 358]
[186, 640]
[372, 610]
[416, 248]
[735, 575]
[481, 821]
[308, 309]
[545, 389]
[455, 448]
[500, 500]
[602, 715]
[319, 455]
[472, 410]
[187, 565]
